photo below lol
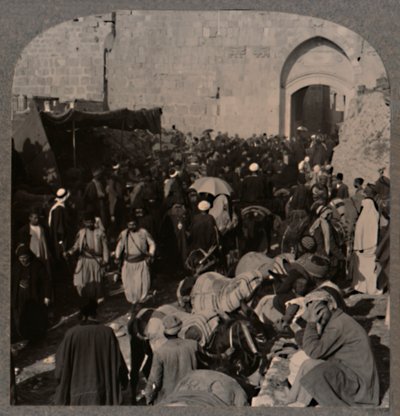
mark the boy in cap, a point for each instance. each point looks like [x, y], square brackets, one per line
[340, 190]
[171, 362]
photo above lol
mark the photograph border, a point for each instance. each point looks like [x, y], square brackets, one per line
[22, 20]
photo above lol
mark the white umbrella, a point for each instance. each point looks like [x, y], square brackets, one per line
[211, 185]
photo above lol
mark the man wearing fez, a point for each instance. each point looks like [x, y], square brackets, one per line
[91, 246]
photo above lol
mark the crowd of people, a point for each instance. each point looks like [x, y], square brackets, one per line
[130, 222]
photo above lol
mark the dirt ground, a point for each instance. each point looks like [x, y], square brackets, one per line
[35, 362]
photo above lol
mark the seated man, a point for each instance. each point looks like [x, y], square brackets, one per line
[339, 368]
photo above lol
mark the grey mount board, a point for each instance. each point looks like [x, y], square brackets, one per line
[22, 20]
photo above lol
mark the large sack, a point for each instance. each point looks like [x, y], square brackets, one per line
[213, 292]
[202, 325]
[207, 388]
[252, 261]
[257, 261]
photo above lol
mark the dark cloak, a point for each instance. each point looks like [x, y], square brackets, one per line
[203, 232]
[30, 285]
[90, 369]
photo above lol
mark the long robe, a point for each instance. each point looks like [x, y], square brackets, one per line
[58, 224]
[29, 287]
[204, 232]
[365, 269]
[135, 273]
[95, 198]
[171, 363]
[253, 190]
[36, 239]
[93, 254]
[349, 375]
[90, 368]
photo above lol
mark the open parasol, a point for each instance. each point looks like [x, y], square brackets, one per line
[211, 185]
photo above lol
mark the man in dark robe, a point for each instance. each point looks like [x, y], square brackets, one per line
[115, 191]
[319, 153]
[95, 197]
[90, 368]
[253, 187]
[297, 150]
[301, 199]
[204, 231]
[173, 191]
[60, 224]
[30, 294]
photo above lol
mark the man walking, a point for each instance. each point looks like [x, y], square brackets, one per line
[136, 248]
[91, 244]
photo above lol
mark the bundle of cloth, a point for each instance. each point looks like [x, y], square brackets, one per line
[213, 292]
[194, 326]
[207, 388]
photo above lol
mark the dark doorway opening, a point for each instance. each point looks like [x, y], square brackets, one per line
[318, 107]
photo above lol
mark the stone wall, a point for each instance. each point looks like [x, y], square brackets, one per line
[364, 139]
[220, 70]
[66, 61]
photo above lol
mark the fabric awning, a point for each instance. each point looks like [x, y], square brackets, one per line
[117, 119]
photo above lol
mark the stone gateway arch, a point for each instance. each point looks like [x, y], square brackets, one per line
[240, 72]
[316, 61]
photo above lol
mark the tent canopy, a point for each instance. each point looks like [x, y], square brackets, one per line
[123, 119]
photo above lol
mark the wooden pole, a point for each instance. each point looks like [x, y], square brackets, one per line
[122, 131]
[74, 142]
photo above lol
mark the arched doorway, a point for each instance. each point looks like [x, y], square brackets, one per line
[319, 107]
[320, 69]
